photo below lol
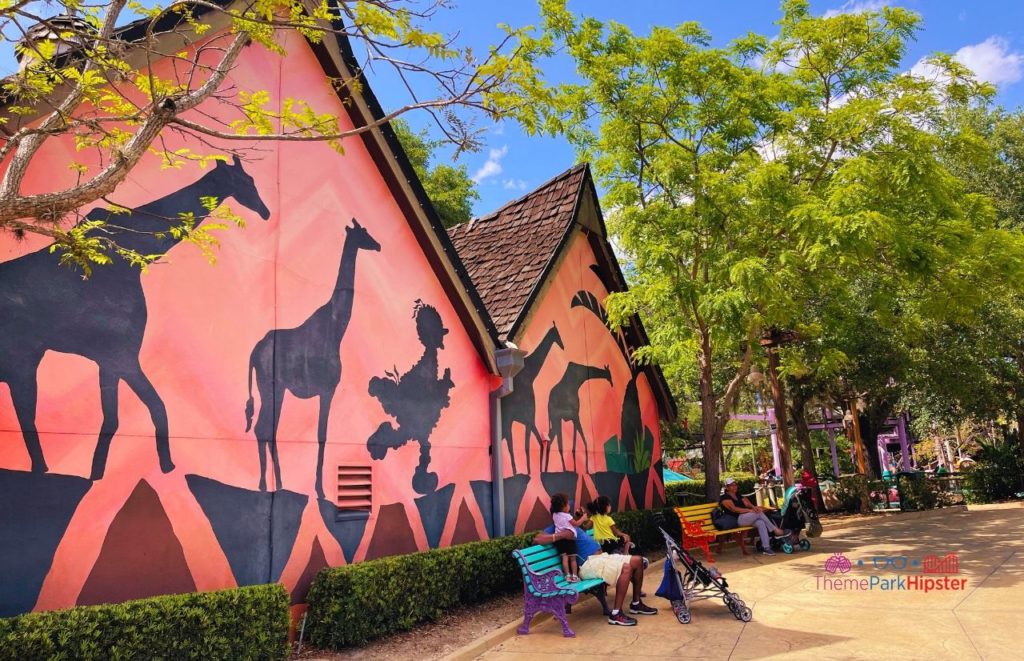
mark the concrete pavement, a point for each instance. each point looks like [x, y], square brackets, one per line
[796, 612]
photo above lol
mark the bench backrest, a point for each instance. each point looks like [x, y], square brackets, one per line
[700, 514]
[540, 557]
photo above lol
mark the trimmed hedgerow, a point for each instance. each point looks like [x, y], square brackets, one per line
[241, 623]
[684, 494]
[642, 527]
[356, 603]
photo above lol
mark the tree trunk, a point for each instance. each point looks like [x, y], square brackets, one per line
[940, 453]
[869, 438]
[710, 421]
[713, 419]
[782, 432]
[712, 439]
[1020, 433]
[803, 439]
[959, 443]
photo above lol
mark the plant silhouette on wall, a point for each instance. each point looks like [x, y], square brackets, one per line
[48, 307]
[305, 360]
[414, 399]
[520, 405]
[564, 405]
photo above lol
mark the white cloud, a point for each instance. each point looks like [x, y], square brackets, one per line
[991, 61]
[492, 166]
[858, 7]
[514, 184]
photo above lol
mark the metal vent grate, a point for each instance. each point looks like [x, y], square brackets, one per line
[355, 489]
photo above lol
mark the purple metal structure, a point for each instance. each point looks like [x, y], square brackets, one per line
[897, 436]
[767, 415]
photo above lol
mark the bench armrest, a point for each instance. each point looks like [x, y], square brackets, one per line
[544, 583]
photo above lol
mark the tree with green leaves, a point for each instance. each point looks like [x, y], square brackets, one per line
[972, 371]
[449, 187]
[744, 182]
[89, 78]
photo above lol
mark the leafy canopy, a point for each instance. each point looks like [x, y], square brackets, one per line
[762, 184]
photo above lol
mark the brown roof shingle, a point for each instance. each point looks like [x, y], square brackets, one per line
[506, 252]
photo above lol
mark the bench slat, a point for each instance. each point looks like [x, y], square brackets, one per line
[581, 586]
[539, 551]
[546, 564]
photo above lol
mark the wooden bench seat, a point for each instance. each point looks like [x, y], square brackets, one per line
[545, 588]
[698, 530]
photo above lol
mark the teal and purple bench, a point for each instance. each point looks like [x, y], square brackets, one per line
[546, 590]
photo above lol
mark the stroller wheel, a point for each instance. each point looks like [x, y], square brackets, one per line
[745, 614]
[787, 547]
[805, 545]
[683, 616]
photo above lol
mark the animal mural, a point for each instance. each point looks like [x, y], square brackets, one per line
[305, 360]
[564, 406]
[167, 348]
[631, 452]
[45, 306]
[414, 399]
[520, 405]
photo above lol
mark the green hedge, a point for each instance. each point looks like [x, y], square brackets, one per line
[242, 623]
[692, 492]
[642, 527]
[356, 603]
[997, 475]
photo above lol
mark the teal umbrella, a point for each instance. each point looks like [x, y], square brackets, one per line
[670, 476]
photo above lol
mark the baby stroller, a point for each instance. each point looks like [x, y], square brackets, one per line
[694, 583]
[798, 518]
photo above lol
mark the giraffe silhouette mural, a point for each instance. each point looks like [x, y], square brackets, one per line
[305, 360]
[632, 451]
[414, 399]
[520, 405]
[564, 406]
[48, 307]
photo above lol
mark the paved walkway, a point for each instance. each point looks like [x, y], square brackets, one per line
[793, 614]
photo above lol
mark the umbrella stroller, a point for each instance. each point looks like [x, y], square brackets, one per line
[799, 518]
[693, 583]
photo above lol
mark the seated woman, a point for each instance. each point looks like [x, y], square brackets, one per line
[748, 514]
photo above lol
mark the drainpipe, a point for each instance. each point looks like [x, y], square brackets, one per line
[509, 360]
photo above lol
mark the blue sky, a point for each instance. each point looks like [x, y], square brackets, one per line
[987, 35]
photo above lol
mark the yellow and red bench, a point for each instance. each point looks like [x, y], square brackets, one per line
[698, 530]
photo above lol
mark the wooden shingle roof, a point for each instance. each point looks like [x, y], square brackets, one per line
[506, 252]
